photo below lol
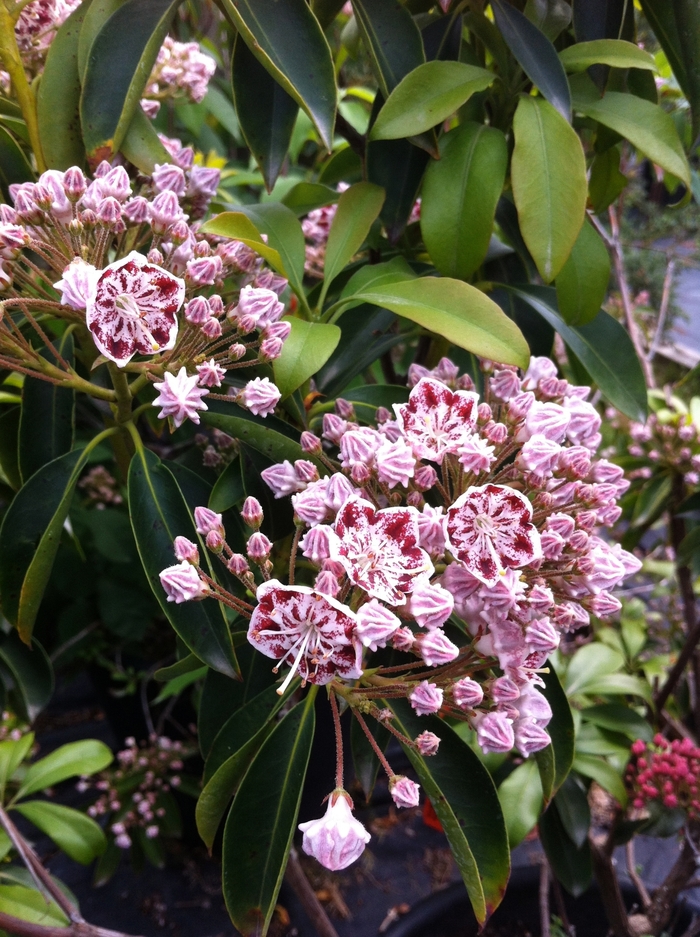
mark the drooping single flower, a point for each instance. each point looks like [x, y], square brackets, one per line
[182, 583]
[180, 397]
[436, 420]
[313, 631]
[132, 309]
[489, 529]
[379, 549]
[337, 839]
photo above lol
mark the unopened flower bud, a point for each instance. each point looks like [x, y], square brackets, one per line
[344, 409]
[214, 541]
[74, 183]
[109, 212]
[258, 547]
[212, 328]
[427, 744]
[137, 210]
[206, 520]
[403, 639]
[404, 792]
[182, 583]
[306, 471]
[310, 443]
[426, 698]
[155, 257]
[237, 351]
[252, 512]
[425, 478]
[327, 583]
[238, 565]
[467, 693]
[185, 550]
[337, 839]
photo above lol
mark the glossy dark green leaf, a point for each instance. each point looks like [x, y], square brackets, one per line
[520, 796]
[186, 665]
[548, 175]
[159, 514]
[536, 55]
[307, 348]
[397, 166]
[396, 270]
[619, 718]
[605, 181]
[582, 283]
[264, 439]
[9, 449]
[46, 426]
[456, 311]
[571, 865]
[550, 16]
[117, 72]
[266, 112]
[688, 546]
[344, 165]
[653, 498]
[73, 832]
[573, 810]
[58, 97]
[392, 39]
[289, 42]
[95, 18]
[228, 490]
[31, 672]
[364, 758]
[560, 728]
[241, 726]
[305, 196]
[14, 165]
[30, 535]
[466, 802]
[262, 821]
[459, 197]
[141, 144]
[670, 24]
[603, 347]
[326, 11]
[601, 771]
[367, 334]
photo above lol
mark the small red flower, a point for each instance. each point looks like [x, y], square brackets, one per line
[489, 529]
[132, 309]
[437, 420]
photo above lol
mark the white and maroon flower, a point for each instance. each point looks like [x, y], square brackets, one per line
[132, 309]
[180, 397]
[436, 420]
[489, 529]
[314, 631]
[379, 549]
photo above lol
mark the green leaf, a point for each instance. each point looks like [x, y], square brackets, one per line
[560, 729]
[463, 315]
[306, 196]
[12, 754]
[688, 546]
[239, 227]
[262, 821]
[367, 334]
[58, 97]
[241, 726]
[591, 766]
[9, 446]
[30, 535]
[535, 54]
[228, 490]
[520, 796]
[141, 144]
[288, 41]
[427, 96]
[392, 39]
[159, 514]
[571, 865]
[14, 166]
[618, 684]
[652, 500]
[31, 672]
[663, 19]
[588, 664]
[307, 348]
[548, 175]
[117, 72]
[573, 809]
[185, 665]
[28, 904]
[582, 283]
[46, 426]
[177, 684]
[68, 761]
[395, 270]
[285, 235]
[647, 127]
[605, 182]
[397, 166]
[614, 52]
[459, 197]
[96, 16]
[358, 207]
[619, 718]
[466, 802]
[72, 831]
[266, 112]
[603, 347]
[344, 166]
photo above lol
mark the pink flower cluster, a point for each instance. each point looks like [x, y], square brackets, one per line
[668, 439]
[667, 773]
[181, 70]
[35, 30]
[157, 300]
[134, 794]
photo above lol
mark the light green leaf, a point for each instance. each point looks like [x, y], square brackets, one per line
[427, 96]
[358, 207]
[12, 754]
[69, 760]
[591, 766]
[141, 144]
[615, 52]
[456, 311]
[72, 831]
[647, 126]
[306, 196]
[307, 348]
[521, 801]
[606, 181]
[589, 664]
[239, 227]
[548, 175]
[619, 718]
[176, 685]
[582, 283]
[28, 904]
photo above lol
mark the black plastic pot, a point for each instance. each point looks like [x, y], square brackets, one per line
[448, 913]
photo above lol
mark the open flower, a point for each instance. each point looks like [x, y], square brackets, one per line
[489, 529]
[337, 839]
[379, 549]
[313, 631]
[132, 309]
[180, 397]
[436, 420]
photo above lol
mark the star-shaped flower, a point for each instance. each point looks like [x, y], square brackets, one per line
[132, 309]
[436, 420]
[180, 397]
[379, 549]
[313, 631]
[489, 530]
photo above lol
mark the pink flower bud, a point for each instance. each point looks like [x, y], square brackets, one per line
[109, 212]
[338, 491]
[74, 183]
[542, 635]
[154, 256]
[182, 583]
[252, 512]
[258, 547]
[337, 839]
[278, 330]
[483, 413]
[360, 474]
[505, 384]
[306, 471]
[467, 693]
[164, 211]
[268, 280]
[395, 463]
[204, 271]
[403, 639]
[426, 698]
[436, 648]
[427, 744]
[333, 427]
[115, 183]
[404, 792]
[496, 433]
[316, 543]
[185, 550]
[237, 351]
[504, 690]
[198, 310]
[168, 176]
[494, 733]
[238, 565]
[430, 604]
[212, 328]
[260, 396]
[575, 462]
[519, 406]
[327, 583]
[310, 443]
[344, 409]
[376, 624]
[548, 419]
[475, 454]
[210, 374]
[603, 605]
[425, 477]
[270, 349]
[137, 210]
[282, 479]
[206, 520]
[539, 455]
[214, 541]
[529, 737]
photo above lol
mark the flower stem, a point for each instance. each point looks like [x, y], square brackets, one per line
[373, 742]
[338, 741]
[10, 57]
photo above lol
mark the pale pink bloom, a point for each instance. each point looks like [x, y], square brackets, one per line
[489, 529]
[427, 744]
[562, 524]
[575, 462]
[430, 604]
[179, 397]
[436, 648]
[426, 698]
[629, 561]
[436, 420]
[395, 463]
[334, 427]
[315, 544]
[467, 693]
[505, 384]
[601, 569]
[260, 396]
[548, 419]
[540, 455]
[314, 632]
[494, 732]
[338, 491]
[282, 479]
[476, 455]
[260, 305]
[132, 308]
[169, 176]
[540, 369]
[337, 839]
[186, 550]
[182, 583]
[542, 635]
[77, 284]
[529, 737]
[379, 549]
[519, 406]
[431, 530]
[404, 792]
[204, 271]
[376, 624]
[210, 374]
